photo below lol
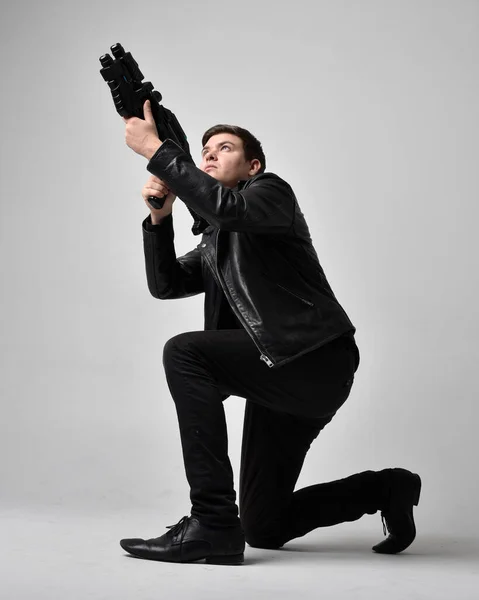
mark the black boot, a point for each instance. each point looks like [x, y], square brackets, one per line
[401, 490]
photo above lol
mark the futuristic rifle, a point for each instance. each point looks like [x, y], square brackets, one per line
[124, 78]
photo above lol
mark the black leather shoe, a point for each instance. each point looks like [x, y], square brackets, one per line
[402, 489]
[188, 541]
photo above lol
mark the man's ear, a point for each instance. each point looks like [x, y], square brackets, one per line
[255, 163]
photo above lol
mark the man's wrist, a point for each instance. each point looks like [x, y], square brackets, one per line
[156, 220]
[151, 148]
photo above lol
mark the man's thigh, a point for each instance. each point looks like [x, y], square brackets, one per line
[314, 385]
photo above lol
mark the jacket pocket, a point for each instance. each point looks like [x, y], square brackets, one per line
[308, 302]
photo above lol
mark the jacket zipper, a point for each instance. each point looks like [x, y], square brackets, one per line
[263, 355]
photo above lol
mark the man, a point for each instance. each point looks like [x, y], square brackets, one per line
[274, 334]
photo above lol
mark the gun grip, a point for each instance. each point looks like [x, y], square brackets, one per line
[156, 202]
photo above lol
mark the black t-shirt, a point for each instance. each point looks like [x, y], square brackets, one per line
[226, 317]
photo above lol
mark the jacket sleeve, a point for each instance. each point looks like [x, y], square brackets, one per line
[169, 277]
[266, 205]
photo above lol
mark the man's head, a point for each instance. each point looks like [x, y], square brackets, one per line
[233, 153]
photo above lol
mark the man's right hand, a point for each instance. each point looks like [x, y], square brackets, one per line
[157, 187]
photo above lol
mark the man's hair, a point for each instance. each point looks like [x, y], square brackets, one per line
[251, 146]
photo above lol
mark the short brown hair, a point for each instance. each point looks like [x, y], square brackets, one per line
[251, 146]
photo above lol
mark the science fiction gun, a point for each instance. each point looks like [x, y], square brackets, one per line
[124, 79]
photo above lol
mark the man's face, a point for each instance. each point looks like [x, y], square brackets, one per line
[223, 158]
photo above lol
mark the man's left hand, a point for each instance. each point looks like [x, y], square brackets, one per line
[142, 135]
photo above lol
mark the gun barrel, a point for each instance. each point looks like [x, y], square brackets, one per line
[106, 60]
[117, 50]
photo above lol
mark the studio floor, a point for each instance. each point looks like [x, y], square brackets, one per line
[56, 554]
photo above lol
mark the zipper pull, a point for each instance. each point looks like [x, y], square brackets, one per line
[266, 360]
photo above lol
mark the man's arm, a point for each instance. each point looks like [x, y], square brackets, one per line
[169, 278]
[264, 207]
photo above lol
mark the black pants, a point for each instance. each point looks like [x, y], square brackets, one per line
[285, 410]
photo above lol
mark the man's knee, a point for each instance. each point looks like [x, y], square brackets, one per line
[176, 345]
[261, 538]
[261, 541]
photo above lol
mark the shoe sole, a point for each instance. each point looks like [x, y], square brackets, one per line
[417, 492]
[232, 559]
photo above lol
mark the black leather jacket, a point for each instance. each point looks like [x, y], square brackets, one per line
[259, 250]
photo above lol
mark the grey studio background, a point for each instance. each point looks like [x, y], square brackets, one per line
[369, 110]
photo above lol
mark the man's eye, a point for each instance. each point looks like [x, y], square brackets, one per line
[223, 146]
